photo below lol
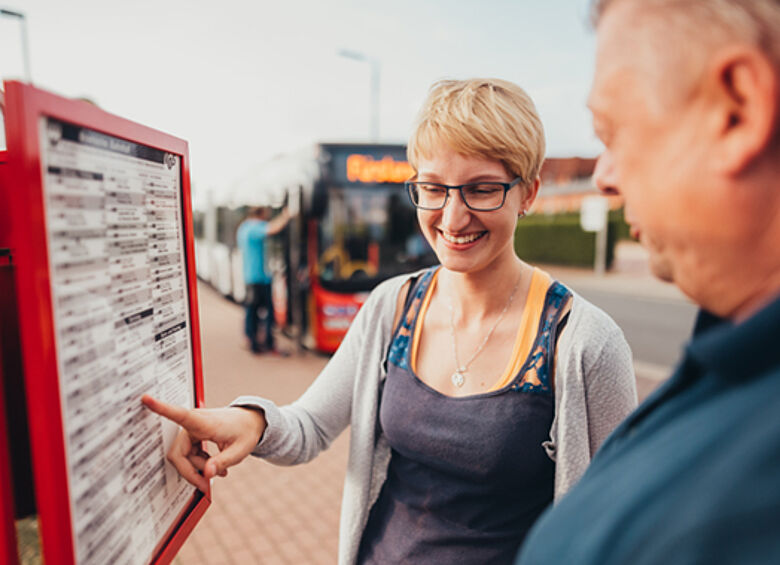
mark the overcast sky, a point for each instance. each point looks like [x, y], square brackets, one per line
[242, 81]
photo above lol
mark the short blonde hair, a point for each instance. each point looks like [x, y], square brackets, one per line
[489, 118]
[707, 22]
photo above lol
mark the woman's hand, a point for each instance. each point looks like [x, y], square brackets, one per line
[235, 431]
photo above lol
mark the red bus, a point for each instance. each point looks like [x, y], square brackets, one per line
[352, 227]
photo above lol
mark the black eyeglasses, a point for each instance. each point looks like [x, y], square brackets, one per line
[478, 196]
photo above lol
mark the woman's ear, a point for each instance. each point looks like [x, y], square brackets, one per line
[530, 196]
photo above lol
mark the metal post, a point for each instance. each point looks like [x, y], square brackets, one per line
[594, 218]
[375, 74]
[376, 70]
[600, 262]
[25, 46]
[295, 233]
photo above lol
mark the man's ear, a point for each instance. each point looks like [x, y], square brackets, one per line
[746, 88]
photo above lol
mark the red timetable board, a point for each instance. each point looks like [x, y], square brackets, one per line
[96, 211]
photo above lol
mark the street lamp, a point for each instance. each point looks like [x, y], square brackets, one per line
[25, 50]
[375, 72]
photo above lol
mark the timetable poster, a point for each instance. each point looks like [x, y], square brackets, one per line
[122, 326]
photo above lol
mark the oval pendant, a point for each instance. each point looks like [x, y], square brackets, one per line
[458, 379]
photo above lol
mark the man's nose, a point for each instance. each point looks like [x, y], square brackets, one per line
[604, 175]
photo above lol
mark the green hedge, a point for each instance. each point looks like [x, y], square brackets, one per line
[559, 240]
[617, 223]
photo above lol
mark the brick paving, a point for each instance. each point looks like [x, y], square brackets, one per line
[261, 513]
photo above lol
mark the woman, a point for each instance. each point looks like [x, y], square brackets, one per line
[476, 391]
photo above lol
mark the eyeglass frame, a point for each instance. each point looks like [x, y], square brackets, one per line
[459, 187]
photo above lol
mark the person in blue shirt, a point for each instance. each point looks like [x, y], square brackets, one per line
[686, 98]
[251, 238]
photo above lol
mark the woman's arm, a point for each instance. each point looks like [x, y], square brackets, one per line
[595, 390]
[298, 432]
[610, 388]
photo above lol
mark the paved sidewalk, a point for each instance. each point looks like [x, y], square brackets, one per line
[262, 513]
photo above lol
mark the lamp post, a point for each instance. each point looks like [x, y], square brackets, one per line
[374, 94]
[25, 50]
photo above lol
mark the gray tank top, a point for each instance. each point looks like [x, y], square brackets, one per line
[468, 476]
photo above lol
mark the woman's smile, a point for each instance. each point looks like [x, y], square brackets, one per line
[461, 240]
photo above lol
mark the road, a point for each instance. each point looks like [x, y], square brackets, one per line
[655, 328]
[655, 317]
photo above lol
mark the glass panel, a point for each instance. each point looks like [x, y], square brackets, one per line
[228, 221]
[370, 234]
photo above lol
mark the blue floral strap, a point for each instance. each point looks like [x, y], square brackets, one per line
[535, 373]
[400, 345]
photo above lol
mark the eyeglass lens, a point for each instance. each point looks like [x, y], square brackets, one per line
[482, 196]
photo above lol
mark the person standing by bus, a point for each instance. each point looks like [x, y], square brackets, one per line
[251, 238]
[476, 391]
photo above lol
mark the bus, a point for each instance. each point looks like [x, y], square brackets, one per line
[352, 226]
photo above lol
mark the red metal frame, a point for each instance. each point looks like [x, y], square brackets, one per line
[9, 552]
[8, 545]
[23, 228]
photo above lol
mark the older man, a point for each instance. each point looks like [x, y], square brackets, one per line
[686, 99]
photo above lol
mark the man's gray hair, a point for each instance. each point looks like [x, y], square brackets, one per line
[755, 21]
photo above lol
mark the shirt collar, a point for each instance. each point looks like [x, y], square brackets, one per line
[737, 350]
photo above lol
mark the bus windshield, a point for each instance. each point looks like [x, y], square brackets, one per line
[369, 234]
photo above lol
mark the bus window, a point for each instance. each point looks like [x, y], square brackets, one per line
[227, 225]
[198, 219]
[369, 234]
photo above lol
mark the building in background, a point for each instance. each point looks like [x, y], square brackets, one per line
[565, 182]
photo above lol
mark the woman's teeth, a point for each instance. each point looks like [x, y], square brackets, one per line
[462, 238]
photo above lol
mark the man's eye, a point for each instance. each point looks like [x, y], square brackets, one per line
[432, 188]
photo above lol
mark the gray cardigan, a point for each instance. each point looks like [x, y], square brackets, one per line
[594, 390]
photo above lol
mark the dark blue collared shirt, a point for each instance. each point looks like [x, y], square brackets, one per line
[693, 475]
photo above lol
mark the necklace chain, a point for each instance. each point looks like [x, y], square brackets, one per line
[459, 376]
